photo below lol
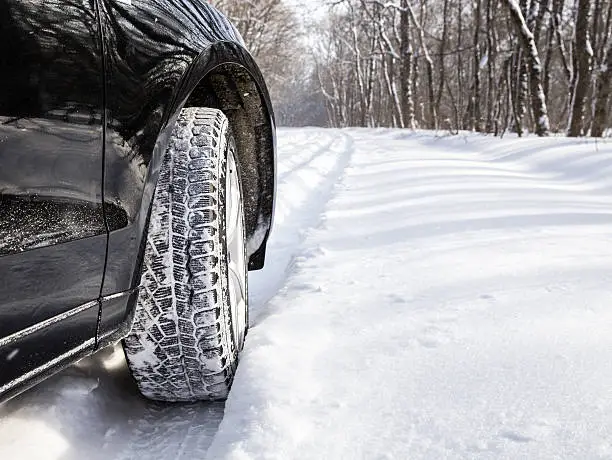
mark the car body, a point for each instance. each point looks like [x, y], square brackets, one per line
[90, 92]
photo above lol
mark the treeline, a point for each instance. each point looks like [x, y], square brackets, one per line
[492, 66]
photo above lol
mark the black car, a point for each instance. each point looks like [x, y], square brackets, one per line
[137, 181]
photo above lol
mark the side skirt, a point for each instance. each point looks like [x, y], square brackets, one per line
[31, 355]
[39, 374]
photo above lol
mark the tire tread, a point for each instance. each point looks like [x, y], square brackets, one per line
[181, 347]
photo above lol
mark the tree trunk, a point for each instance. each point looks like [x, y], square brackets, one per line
[475, 120]
[600, 117]
[519, 86]
[550, 36]
[491, 56]
[433, 117]
[460, 93]
[538, 99]
[584, 54]
[441, 51]
[406, 75]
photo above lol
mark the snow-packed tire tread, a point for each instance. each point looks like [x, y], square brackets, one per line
[181, 347]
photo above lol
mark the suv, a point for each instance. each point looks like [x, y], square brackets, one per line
[137, 180]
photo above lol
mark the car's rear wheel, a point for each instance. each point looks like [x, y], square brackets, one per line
[192, 312]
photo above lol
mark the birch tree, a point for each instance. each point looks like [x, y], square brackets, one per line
[526, 38]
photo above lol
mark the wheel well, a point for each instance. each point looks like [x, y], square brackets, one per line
[231, 89]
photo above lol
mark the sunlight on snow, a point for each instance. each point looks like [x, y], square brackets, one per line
[42, 438]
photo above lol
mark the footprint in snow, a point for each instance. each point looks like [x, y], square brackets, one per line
[307, 287]
[430, 342]
[397, 299]
[515, 436]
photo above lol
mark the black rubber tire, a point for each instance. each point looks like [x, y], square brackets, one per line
[182, 345]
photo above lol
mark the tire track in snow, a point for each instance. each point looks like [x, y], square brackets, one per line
[303, 163]
[170, 431]
[93, 410]
[302, 194]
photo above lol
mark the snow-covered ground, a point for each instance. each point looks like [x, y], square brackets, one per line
[424, 297]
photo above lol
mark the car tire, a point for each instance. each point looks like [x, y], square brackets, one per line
[192, 313]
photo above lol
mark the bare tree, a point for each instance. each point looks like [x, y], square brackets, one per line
[601, 115]
[538, 100]
[406, 76]
[584, 55]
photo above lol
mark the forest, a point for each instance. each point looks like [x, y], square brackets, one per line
[490, 66]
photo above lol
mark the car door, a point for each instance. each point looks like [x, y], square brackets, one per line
[53, 235]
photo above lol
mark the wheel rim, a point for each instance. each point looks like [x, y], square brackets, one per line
[235, 251]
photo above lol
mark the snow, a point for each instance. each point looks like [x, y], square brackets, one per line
[484, 60]
[589, 48]
[424, 296]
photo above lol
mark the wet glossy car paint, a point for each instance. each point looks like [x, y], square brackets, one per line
[91, 91]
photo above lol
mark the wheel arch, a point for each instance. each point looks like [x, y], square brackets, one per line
[225, 76]
[233, 89]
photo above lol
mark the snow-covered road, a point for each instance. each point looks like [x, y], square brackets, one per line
[424, 297]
